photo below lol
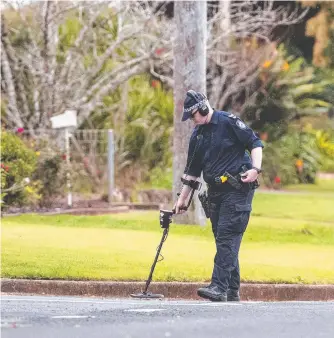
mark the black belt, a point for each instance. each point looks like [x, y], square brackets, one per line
[220, 188]
[228, 182]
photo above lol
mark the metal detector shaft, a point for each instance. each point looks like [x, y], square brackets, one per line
[155, 260]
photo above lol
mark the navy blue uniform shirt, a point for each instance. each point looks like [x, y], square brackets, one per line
[219, 146]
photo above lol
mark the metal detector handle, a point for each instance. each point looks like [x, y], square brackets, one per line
[184, 208]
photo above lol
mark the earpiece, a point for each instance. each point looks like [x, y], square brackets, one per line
[203, 109]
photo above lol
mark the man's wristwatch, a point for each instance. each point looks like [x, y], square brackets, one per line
[259, 171]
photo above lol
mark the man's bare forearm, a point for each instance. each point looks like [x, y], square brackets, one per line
[256, 154]
[185, 188]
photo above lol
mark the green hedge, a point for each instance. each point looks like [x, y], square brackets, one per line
[18, 163]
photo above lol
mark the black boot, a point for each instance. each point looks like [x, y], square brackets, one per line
[212, 293]
[233, 295]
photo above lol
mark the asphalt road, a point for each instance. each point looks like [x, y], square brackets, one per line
[72, 317]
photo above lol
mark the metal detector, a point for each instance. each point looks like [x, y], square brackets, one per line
[165, 221]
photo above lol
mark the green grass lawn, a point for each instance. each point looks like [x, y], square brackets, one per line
[307, 206]
[290, 239]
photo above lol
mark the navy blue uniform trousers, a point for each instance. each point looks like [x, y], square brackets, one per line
[229, 215]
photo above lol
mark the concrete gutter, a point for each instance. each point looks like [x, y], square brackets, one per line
[173, 290]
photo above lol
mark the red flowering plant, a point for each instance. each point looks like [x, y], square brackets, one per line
[159, 51]
[277, 180]
[292, 159]
[155, 83]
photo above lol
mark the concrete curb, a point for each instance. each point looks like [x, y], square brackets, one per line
[174, 290]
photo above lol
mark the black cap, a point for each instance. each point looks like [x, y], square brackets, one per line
[192, 101]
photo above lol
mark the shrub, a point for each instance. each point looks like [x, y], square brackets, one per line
[51, 176]
[143, 128]
[294, 158]
[18, 162]
[288, 89]
[3, 183]
[325, 142]
[159, 178]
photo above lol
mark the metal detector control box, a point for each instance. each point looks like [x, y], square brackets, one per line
[165, 218]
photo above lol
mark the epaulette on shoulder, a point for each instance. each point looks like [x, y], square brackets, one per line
[231, 115]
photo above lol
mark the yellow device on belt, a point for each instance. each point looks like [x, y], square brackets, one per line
[223, 179]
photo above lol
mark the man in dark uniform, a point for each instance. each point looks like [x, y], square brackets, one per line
[219, 144]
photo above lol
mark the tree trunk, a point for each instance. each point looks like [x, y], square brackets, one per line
[189, 73]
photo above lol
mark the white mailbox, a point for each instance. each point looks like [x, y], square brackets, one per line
[65, 120]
